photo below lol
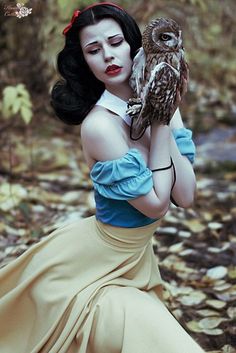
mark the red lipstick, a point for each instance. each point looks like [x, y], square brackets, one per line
[113, 70]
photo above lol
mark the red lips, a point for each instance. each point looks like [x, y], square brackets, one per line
[113, 69]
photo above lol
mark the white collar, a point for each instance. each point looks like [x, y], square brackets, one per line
[115, 105]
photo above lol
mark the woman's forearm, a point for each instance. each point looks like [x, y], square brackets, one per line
[185, 185]
[176, 121]
[159, 158]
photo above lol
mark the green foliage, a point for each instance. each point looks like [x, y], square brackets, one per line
[16, 100]
[209, 40]
[201, 3]
[66, 8]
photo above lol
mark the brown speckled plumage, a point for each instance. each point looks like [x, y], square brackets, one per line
[158, 71]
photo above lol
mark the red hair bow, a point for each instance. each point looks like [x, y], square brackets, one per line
[75, 15]
[78, 12]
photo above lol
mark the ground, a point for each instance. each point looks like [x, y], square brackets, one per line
[45, 182]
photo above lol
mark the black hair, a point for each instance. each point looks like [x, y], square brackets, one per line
[75, 95]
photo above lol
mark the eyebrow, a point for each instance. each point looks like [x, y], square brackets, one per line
[95, 42]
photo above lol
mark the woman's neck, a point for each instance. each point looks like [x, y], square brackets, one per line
[124, 92]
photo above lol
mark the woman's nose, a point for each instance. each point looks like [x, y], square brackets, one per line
[107, 52]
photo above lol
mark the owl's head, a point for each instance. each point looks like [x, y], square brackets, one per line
[162, 35]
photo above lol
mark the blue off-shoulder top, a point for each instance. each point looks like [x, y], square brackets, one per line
[126, 178]
[117, 181]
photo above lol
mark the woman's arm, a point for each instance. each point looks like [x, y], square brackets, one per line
[185, 185]
[156, 203]
[182, 178]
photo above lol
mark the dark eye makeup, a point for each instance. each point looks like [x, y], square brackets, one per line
[93, 51]
[114, 42]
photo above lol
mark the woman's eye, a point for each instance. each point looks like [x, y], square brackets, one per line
[114, 43]
[165, 37]
[93, 51]
[117, 43]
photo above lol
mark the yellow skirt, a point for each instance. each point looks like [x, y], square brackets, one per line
[88, 288]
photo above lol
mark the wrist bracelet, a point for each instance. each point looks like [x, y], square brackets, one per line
[174, 171]
[164, 168]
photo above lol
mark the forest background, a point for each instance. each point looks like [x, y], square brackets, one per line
[44, 181]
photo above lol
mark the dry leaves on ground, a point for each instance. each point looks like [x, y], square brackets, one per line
[49, 184]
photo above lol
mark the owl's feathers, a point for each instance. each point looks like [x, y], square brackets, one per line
[158, 71]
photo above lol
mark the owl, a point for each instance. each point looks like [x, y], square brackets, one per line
[158, 71]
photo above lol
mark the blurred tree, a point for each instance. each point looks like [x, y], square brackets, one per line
[21, 50]
[29, 48]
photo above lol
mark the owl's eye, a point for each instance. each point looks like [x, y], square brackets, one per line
[164, 37]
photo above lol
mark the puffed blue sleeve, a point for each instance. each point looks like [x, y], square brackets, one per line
[186, 146]
[122, 179]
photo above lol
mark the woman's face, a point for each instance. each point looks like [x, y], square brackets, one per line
[107, 53]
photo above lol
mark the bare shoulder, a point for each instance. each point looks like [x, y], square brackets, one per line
[101, 136]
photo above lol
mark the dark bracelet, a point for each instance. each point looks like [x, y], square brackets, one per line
[164, 168]
[174, 175]
[171, 197]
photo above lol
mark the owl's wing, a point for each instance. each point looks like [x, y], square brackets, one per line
[161, 87]
[159, 98]
[184, 72]
[137, 76]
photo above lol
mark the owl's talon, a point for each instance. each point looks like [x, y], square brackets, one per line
[133, 101]
[134, 106]
[134, 110]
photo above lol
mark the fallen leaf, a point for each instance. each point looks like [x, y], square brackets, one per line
[217, 272]
[176, 247]
[231, 311]
[232, 272]
[213, 332]
[11, 195]
[186, 252]
[215, 225]
[195, 225]
[184, 234]
[218, 250]
[193, 298]
[216, 304]
[71, 197]
[228, 349]
[207, 312]
[222, 287]
[210, 322]
[167, 230]
[193, 326]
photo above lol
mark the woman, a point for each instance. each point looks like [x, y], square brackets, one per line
[93, 285]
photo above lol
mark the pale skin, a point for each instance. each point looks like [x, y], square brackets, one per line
[105, 136]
